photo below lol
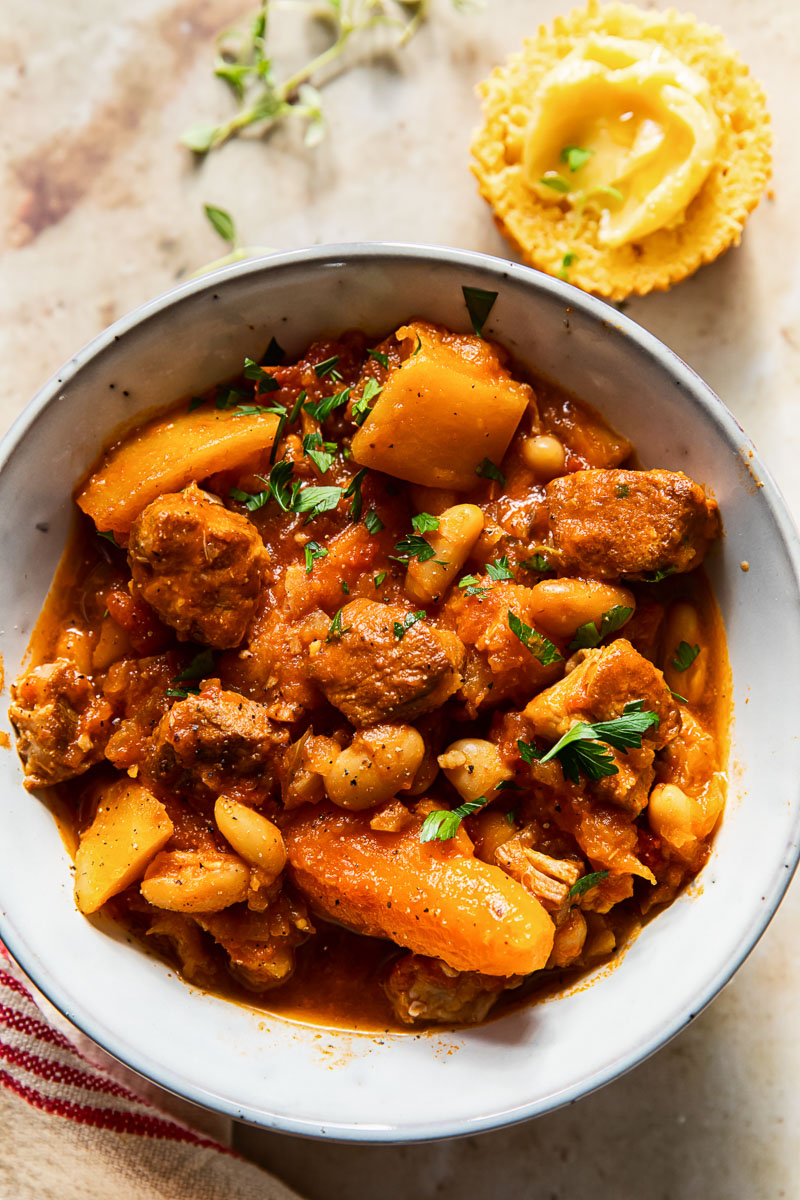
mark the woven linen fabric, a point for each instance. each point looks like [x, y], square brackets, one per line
[77, 1124]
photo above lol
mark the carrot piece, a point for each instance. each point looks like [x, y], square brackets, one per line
[166, 454]
[429, 897]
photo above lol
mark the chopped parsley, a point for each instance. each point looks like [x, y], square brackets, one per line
[425, 523]
[221, 222]
[316, 500]
[263, 380]
[588, 636]
[400, 627]
[472, 586]
[623, 491]
[555, 181]
[442, 824]
[230, 397]
[362, 406]
[336, 630]
[321, 453]
[298, 404]
[313, 551]
[537, 563]
[251, 500]
[581, 748]
[684, 656]
[354, 490]
[195, 402]
[379, 578]
[413, 545]
[528, 751]
[575, 157]
[345, 586]
[479, 304]
[328, 367]
[108, 535]
[488, 470]
[200, 667]
[569, 258]
[499, 570]
[658, 575]
[278, 483]
[586, 883]
[536, 643]
[273, 355]
[379, 356]
[322, 409]
[373, 522]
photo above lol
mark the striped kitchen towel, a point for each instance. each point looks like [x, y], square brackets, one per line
[76, 1124]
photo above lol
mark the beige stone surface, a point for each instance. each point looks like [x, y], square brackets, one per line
[101, 210]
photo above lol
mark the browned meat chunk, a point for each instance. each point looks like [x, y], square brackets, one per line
[426, 989]
[213, 739]
[198, 565]
[372, 675]
[137, 688]
[260, 945]
[598, 690]
[605, 524]
[62, 724]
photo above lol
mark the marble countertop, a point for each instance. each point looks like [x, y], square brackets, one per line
[102, 210]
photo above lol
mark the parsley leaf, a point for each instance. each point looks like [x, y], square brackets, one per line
[379, 356]
[313, 551]
[472, 586]
[412, 545]
[569, 258]
[336, 629]
[412, 618]
[555, 181]
[345, 586]
[264, 381]
[221, 222]
[581, 749]
[316, 500]
[499, 570]
[251, 500]
[379, 578]
[425, 523]
[539, 646]
[322, 409]
[201, 666]
[328, 367]
[627, 730]
[443, 823]
[321, 453]
[537, 563]
[575, 157]
[278, 483]
[684, 656]
[108, 535]
[622, 491]
[362, 406]
[586, 883]
[659, 574]
[296, 407]
[373, 522]
[487, 470]
[354, 489]
[273, 355]
[528, 751]
[195, 402]
[588, 636]
[479, 304]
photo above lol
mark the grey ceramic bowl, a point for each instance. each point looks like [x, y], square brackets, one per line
[396, 1087]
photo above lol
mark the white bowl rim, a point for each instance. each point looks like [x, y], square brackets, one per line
[695, 390]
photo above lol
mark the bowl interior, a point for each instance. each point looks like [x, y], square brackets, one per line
[381, 1087]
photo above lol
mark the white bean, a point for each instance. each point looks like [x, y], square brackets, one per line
[379, 763]
[683, 625]
[545, 456]
[459, 529]
[190, 881]
[559, 606]
[252, 836]
[474, 767]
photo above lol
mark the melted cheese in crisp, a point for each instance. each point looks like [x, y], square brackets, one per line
[647, 120]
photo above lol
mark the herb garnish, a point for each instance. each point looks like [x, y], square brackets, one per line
[263, 380]
[442, 824]
[313, 551]
[321, 453]
[412, 618]
[580, 748]
[622, 491]
[373, 522]
[479, 304]
[498, 571]
[278, 483]
[659, 574]
[222, 223]
[354, 489]
[575, 157]
[251, 500]
[684, 656]
[315, 500]
[345, 586]
[488, 470]
[379, 578]
[413, 545]
[108, 535]
[569, 258]
[336, 629]
[362, 408]
[586, 883]
[328, 367]
[273, 355]
[321, 409]
[379, 356]
[472, 586]
[536, 643]
[588, 636]
[201, 666]
[555, 181]
[537, 563]
[425, 523]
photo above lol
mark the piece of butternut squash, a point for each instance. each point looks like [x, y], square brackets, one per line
[129, 829]
[446, 408]
[429, 897]
[166, 454]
